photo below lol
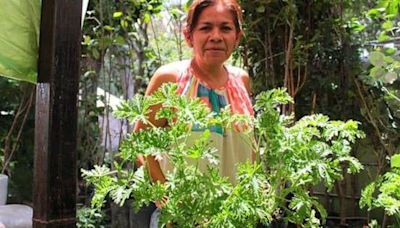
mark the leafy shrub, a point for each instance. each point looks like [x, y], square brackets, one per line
[292, 157]
[302, 154]
[90, 218]
[385, 191]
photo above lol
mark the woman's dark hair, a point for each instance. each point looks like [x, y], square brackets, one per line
[198, 6]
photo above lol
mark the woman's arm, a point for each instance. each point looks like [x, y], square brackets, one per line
[163, 75]
[244, 76]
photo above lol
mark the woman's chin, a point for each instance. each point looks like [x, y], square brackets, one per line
[215, 59]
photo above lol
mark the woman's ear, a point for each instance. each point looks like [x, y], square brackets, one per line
[188, 37]
[238, 37]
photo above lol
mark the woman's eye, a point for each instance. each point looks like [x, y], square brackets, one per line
[204, 28]
[226, 28]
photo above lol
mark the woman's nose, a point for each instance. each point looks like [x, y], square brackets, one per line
[216, 35]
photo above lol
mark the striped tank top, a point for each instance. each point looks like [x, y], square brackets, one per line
[233, 145]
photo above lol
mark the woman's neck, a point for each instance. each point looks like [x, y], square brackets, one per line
[214, 76]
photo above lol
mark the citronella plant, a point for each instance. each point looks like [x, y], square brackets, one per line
[385, 191]
[292, 157]
[298, 155]
[195, 197]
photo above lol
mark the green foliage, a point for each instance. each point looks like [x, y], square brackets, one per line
[317, 49]
[248, 203]
[302, 154]
[307, 47]
[115, 37]
[90, 218]
[167, 36]
[384, 56]
[202, 193]
[16, 137]
[385, 191]
[293, 156]
[385, 67]
[116, 58]
[395, 161]
[385, 60]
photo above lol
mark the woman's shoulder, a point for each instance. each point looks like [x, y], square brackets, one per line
[237, 72]
[166, 73]
[241, 75]
[171, 72]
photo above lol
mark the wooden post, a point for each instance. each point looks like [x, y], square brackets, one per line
[54, 185]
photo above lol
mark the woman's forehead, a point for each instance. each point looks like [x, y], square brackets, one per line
[220, 13]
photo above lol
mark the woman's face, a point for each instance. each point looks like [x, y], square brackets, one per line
[214, 37]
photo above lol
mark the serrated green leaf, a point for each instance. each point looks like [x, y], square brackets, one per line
[366, 195]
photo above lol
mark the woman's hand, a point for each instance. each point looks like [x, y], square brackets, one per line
[161, 203]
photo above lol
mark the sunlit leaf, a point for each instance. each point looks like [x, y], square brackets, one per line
[377, 72]
[377, 58]
[387, 25]
[383, 36]
[395, 161]
[390, 77]
[392, 9]
[117, 14]
[390, 51]
[124, 23]
[86, 39]
[146, 18]
[108, 28]
[373, 13]
[366, 196]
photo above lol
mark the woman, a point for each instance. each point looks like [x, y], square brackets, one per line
[213, 30]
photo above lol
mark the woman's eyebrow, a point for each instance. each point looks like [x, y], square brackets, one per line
[210, 23]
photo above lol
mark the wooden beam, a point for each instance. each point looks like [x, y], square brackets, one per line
[54, 187]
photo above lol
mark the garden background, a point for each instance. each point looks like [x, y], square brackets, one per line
[339, 58]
